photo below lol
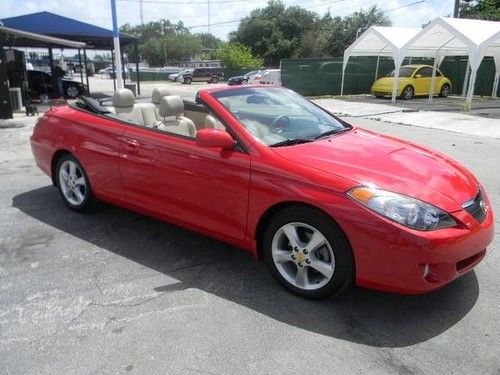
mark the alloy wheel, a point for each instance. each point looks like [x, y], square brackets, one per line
[72, 183]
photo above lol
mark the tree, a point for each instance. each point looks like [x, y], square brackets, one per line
[481, 9]
[237, 56]
[275, 32]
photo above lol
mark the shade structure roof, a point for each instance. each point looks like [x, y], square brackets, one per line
[21, 38]
[57, 26]
[380, 40]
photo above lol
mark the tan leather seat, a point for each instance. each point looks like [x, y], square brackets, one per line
[158, 93]
[124, 105]
[171, 110]
[149, 114]
[212, 123]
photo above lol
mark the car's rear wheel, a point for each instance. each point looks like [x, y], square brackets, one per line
[188, 80]
[307, 252]
[214, 79]
[73, 183]
[445, 90]
[407, 93]
[244, 82]
[72, 91]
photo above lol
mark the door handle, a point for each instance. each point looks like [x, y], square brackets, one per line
[130, 144]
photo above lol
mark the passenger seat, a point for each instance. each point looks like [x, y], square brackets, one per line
[158, 93]
[171, 110]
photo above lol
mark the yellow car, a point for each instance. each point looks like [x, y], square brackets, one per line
[414, 80]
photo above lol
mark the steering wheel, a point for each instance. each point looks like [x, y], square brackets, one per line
[279, 124]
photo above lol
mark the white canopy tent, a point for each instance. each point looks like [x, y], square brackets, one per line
[442, 37]
[380, 41]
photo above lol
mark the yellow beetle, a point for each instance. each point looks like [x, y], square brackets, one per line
[414, 80]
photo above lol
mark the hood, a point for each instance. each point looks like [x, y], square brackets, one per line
[368, 158]
[236, 78]
[388, 81]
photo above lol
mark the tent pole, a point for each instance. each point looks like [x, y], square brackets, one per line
[470, 92]
[495, 85]
[137, 69]
[397, 65]
[86, 71]
[114, 69]
[52, 79]
[466, 78]
[433, 79]
[344, 65]
[81, 66]
[376, 69]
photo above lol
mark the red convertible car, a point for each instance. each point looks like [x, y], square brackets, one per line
[325, 204]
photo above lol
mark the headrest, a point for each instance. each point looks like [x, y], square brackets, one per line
[171, 105]
[123, 98]
[158, 93]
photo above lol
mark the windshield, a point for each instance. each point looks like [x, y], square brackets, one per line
[251, 73]
[277, 116]
[405, 72]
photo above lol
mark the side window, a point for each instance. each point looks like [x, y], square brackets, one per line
[425, 72]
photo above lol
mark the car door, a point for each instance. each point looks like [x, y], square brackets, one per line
[423, 82]
[174, 177]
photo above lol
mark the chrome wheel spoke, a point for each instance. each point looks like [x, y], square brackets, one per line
[301, 277]
[78, 195]
[72, 170]
[80, 181]
[291, 233]
[325, 268]
[282, 256]
[317, 240]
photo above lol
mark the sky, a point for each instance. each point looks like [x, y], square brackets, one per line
[224, 14]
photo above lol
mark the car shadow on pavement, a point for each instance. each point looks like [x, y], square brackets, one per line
[358, 315]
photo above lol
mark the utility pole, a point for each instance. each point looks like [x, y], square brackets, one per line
[141, 11]
[208, 14]
[116, 43]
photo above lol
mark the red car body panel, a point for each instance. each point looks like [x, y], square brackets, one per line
[227, 194]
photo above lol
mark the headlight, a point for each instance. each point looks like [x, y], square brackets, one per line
[404, 210]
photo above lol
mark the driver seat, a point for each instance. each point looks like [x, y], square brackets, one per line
[171, 110]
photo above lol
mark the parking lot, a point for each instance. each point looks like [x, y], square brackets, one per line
[112, 291]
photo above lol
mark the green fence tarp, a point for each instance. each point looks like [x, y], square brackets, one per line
[316, 77]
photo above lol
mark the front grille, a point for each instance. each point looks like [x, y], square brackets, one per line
[476, 207]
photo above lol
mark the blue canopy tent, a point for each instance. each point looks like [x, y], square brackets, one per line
[57, 26]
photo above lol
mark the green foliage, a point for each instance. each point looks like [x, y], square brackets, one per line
[162, 42]
[481, 9]
[237, 56]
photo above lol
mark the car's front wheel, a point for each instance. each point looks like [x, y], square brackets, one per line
[214, 79]
[307, 252]
[73, 183]
[188, 80]
[72, 91]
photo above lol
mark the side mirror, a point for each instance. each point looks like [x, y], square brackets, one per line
[418, 75]
[215, 138]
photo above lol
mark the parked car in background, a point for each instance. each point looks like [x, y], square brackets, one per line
[250, 78]
[271, 77]
[175, 76]
[210, 75]
[414, 80]
[40, 84]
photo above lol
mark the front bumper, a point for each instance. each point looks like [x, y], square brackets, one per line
[394, 258]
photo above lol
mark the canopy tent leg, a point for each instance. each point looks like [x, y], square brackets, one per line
[52, 79]
[466, 79]
[344, 65]
[114, 69]
[470, 92]
[397, 65]
[376, 69]
[81, 66]
[495, 85]
[137, 68]
[433, 79]
[86, 71]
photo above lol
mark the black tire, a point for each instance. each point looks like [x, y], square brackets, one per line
[445, 90]
[214, 79]
[188, 80]
[343, 259]
[408, 92]
[244, 82]
[86, 191]
[72, 91]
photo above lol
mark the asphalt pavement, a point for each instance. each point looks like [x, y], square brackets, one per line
[112, 292]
